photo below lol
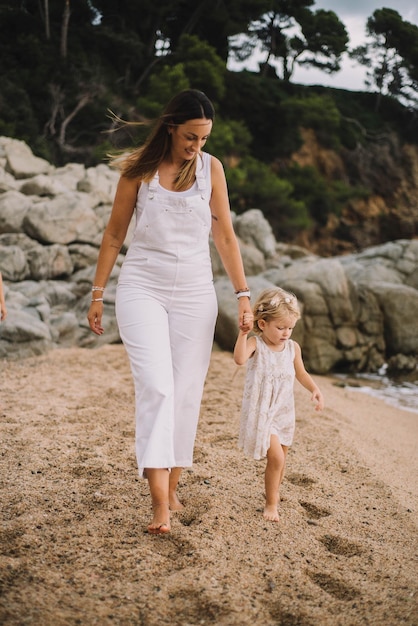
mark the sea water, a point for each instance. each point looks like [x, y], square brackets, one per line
[400, 391]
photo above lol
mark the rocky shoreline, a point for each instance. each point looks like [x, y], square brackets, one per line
[359, 310]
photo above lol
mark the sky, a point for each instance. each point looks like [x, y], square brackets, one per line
[354, 15]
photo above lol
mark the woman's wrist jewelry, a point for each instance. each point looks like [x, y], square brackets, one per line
[96, 288]
[241, 290]
[243, 294]
[97, 299]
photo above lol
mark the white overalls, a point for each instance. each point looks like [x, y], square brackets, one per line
[166, 310]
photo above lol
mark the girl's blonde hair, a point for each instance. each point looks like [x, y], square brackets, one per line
[275, 304]
[144, 162]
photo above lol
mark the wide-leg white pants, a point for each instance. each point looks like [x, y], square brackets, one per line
[168, 335]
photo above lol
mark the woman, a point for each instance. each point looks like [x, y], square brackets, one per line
[166, 303]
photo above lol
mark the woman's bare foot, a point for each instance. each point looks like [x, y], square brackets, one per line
[175, 504]
[161, 520]
[271, 513]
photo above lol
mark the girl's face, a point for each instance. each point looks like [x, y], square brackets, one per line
[188, 139]
[277, 331]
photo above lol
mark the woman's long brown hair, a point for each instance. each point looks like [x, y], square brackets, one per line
[144, 161]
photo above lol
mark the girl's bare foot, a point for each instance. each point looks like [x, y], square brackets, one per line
[161, 520]
[175, 504]
[271, 513]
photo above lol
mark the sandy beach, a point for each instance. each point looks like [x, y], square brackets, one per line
[74, 512]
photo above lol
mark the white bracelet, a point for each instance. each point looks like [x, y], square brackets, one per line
[95, 288]
[242, 294]
[97, 299]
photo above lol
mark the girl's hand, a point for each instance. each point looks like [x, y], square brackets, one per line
[246, 318]
[247, 323]
[318, 398]
[94, 317]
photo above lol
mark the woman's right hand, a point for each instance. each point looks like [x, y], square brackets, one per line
[94, 317]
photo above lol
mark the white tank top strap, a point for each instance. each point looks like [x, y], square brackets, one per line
[153, 186]
[200, 176]
[203, 176]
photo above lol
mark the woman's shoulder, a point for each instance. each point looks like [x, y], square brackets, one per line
[216, 168]
[212, 160]
[127, 184]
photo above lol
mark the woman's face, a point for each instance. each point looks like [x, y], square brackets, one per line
[188, 139]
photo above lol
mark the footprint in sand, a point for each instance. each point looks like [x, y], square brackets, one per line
[301, 480]
[333, 586]
[314, 512]
[343, 547]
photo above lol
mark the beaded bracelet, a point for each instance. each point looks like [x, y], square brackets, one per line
[95, 288]
[241, 290]
[97, 299]
[242, 294]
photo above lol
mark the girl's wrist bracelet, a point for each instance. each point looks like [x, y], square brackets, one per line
[97, 299]
[96, 288]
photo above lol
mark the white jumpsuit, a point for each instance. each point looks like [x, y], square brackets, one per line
[166, 310]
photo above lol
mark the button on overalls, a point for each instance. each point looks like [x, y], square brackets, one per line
[166, 310]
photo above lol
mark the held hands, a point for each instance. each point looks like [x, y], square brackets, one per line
[246, 318]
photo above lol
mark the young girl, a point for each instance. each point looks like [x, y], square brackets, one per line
[268, 410]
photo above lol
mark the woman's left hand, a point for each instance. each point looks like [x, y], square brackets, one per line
[245, 315]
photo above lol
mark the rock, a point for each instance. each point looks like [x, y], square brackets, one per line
[51, 262]
[42, 185]
[20, 160]
[13, 263]
[25, 327]
[101, 182]
[7, 182]
[69, 175]
[65, 219]
[399, 304]
[13, 208]
[400, 363]
[253, 228]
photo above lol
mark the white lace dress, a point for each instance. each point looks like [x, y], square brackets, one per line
[268, 400]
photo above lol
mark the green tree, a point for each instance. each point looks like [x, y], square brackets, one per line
[230, 141]
[253, 184]
[390, 56]
[213, 22]
[293, 34]
[195, 65]
[161, 25]
[202, 65]
[320, 196]
[319, 112]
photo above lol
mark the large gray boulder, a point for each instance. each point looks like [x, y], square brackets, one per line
[64, 219]
[253, 228]
[13, 208]
[399, 305]
[20, 160]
